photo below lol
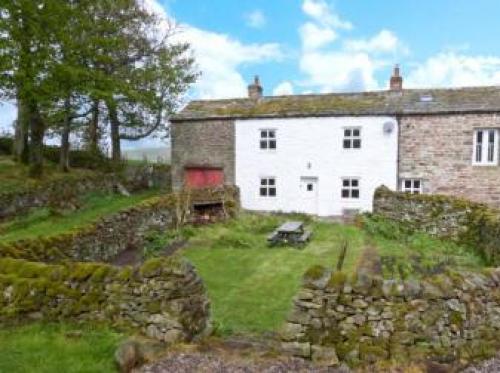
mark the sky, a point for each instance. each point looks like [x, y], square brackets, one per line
[317, 46]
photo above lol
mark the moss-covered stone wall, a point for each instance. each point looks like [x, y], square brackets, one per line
[103, 240]
[445, 217]
[363, 320]
[98, 242]
[63, 191]
[164, 298]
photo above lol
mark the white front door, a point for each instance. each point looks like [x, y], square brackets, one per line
[309, 195]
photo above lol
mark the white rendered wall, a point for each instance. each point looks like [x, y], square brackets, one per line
[312, 147]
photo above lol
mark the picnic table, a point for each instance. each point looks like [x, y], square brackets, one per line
[290, 232]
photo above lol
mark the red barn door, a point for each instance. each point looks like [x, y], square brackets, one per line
[202, 177]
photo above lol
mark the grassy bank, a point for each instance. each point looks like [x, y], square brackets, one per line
[44, 223]
[49, 348]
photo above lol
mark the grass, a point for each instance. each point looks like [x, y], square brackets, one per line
[250, 284]
[49, 348]
[43, 223]
[14, 176]
[412, 254]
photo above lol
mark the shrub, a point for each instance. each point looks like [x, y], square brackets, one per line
[80, 158]
[379, 226]
[6, 145]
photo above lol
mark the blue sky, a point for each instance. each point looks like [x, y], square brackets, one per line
[304, 46]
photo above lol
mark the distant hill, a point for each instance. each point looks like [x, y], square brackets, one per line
[161, 155]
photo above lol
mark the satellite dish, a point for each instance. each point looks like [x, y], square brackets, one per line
[388, 127]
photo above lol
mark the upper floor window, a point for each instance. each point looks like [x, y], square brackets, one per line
[267, 187]
[485, 147]
[352, 138]
[350, 188]
[413, 186]
[268, 139]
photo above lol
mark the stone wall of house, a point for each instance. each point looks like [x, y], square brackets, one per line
[164, 298]
[203, 144]
[460, 220]
[438, 150]
[450, 317]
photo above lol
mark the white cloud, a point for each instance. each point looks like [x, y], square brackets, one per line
[323, 13]
[256, 19]
[449, 69]
[314, 36]
[219, 56]
[339, 71]
[283, 89]
[329, 65]
[384, 42]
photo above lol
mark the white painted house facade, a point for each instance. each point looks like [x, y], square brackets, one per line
[321, 166]
[325, 154]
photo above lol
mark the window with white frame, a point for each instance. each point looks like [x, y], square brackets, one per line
[267, 187]
[485, 147]
[352, 138]
[268, 139]
[350, 188]
[413, 186]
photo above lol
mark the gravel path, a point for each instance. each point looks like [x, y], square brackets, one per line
[204, 363]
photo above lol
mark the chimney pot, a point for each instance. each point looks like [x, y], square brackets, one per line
[255, 89]
[396, 82]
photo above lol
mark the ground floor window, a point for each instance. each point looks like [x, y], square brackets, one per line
[350, 188]
[413, 186]
[268, 187]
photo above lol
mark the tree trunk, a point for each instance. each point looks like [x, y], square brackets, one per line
[93, 134]
[21, 148]
[37, 131]
[116, 154]
[64, 154]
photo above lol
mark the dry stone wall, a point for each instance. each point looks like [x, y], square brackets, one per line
[98, 242]
[65, 191]
[104, 240]
[445, 217]
[164, 298]
[448, 317]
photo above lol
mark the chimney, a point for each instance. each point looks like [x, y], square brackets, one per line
[396, 80]
[255, 89]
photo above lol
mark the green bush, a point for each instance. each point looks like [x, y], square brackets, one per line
[80, 158]
[6, 145]
[379, 226]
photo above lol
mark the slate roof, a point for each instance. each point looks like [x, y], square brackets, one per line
[409, 101]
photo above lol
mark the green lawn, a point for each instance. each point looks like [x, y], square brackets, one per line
[41, 222]
[51, 348]
[251, 285]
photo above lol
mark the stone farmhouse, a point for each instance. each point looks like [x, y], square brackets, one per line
[325, 154]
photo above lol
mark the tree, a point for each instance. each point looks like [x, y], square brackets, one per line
[27, 48]
[144, 78]
[64, 60]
